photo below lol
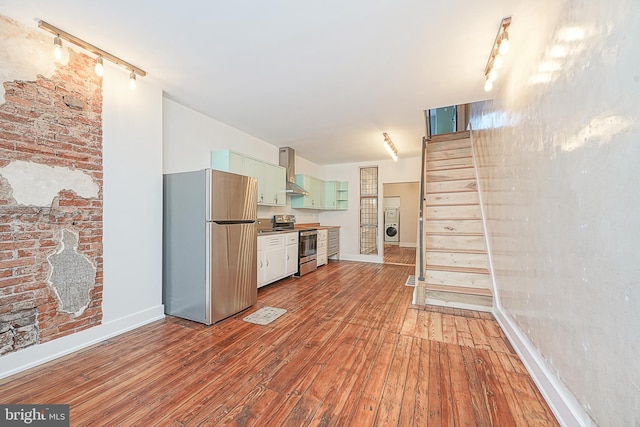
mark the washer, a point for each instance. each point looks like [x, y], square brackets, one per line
[391, 232]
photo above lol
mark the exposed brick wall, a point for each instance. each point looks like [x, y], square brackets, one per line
[53, 121]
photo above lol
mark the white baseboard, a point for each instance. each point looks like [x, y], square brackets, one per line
[20, 360]
[408, 245]
[563, 403]
[377, 259]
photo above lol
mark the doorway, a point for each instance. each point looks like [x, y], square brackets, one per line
[400, 215]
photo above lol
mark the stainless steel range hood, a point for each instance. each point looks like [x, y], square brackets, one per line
[288, 160]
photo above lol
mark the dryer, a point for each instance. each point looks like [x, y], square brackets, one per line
[391, 225]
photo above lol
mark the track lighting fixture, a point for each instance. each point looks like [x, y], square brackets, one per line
[57, 47]
[391, 149]
[504, 44]
[132, 80]
[99, 68]
[496, 57]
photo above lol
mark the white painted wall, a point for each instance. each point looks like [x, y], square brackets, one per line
[404, 170]
[132, 165]
[190, 136]
[558, 167]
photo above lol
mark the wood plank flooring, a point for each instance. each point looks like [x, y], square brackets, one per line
[395, 254]
[350, 351]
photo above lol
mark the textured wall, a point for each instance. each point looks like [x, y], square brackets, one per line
[558, 154]
[50, 191]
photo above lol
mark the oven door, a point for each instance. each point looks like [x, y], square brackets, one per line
[308, 244]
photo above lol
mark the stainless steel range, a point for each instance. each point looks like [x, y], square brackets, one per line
[307, 243]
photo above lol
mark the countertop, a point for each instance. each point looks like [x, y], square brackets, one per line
[297, 227]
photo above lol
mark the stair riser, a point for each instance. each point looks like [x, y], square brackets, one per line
[444, 212]
[470, 198]
[457, 259]
[466, 302]
[451, 174]
[454, 278]
[465, 162]
[434, 146]
[453, 243]
[452, 186]
[454, 226]
[457, 153]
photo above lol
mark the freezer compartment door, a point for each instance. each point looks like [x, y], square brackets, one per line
[232, 269]
[231, 197]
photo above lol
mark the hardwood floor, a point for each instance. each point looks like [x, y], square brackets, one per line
[350, 351]
[394, 254]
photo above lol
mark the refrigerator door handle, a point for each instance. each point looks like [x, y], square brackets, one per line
[238, 221]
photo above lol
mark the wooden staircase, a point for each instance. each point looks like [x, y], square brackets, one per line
[456, 273]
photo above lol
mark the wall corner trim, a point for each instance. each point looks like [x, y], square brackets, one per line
[13, 363]
[563, 403]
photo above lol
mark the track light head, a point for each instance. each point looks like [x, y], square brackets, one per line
[57, 47]
[99, 69]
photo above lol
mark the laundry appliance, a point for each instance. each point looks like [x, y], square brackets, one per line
[392, 225]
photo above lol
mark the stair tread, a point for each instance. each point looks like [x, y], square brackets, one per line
[453, 233]
[446, 168]
[459, 290]
[467, 157]
[457, 251]
[476, 270]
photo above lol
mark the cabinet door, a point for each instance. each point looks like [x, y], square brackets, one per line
[255, 168]
[275, 263]
[275, 185]
[262, 276]
[317, 188]
[322, 247]
[303, 181]
[330, 195]
[292, 260]
[227, 161]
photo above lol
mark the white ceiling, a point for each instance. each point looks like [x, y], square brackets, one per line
[324, 77]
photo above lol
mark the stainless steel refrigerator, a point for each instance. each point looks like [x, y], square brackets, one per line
[209, 244]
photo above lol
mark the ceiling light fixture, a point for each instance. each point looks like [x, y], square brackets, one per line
[59, 34]
[99, 66]
[391, 149]
[496, 57]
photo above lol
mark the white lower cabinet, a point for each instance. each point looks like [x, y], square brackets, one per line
[274, 257]
[292, 254]
[321, 256]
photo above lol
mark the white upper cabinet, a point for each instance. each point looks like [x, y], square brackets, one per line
[271, 178]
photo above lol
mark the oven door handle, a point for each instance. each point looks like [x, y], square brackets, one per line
[308, 233]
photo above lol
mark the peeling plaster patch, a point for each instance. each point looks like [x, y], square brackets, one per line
[72, 275]
[24, 54]
[36, 184]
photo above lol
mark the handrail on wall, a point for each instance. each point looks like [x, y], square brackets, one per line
[427, 116]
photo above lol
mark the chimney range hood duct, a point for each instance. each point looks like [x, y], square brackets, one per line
[288, 160]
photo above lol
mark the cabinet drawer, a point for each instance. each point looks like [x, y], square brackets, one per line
[265, 242]
[292, 238]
